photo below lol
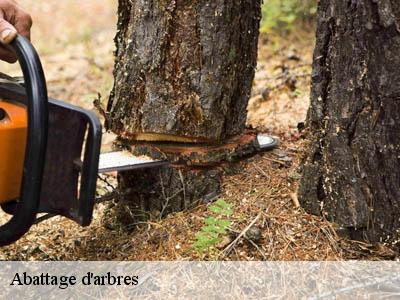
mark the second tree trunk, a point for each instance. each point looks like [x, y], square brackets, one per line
[352, 171]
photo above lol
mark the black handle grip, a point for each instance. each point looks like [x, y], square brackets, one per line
[35, 152]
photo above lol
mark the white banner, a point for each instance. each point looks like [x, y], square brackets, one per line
[200, 280]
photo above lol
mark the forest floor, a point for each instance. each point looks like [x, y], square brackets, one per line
[77, 52]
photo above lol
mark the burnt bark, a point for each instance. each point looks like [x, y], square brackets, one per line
[352, 171]
[158, 192]
[184, 69]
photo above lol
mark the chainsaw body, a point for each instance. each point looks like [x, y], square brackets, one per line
[71, 162]
[49, 151]
[13, 133]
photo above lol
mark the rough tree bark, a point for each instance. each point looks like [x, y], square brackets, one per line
[184, 68]
[183, 74]
[352, 172]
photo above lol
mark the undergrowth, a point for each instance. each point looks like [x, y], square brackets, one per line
[281, 16]
[215, 226]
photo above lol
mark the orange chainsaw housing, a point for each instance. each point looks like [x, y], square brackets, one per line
[13, 135]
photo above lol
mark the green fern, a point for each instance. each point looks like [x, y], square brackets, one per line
[215, 227]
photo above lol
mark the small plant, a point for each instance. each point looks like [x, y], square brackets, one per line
[215, 226]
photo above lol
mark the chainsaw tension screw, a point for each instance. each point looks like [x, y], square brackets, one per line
[2, 114]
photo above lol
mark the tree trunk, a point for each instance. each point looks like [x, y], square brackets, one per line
[183, 74]
[352, 171]
[184, 69]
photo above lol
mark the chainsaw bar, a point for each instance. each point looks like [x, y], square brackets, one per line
[125, 161]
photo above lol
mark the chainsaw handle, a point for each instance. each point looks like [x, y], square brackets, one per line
[37, 107]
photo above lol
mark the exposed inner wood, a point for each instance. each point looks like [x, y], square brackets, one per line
[159, 137]
[200, 154]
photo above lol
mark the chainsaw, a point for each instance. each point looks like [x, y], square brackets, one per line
[50, 152]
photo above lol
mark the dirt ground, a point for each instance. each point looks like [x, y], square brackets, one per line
[75, 41]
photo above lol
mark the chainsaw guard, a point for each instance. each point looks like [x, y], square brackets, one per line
[70, 176]
[37, 106]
